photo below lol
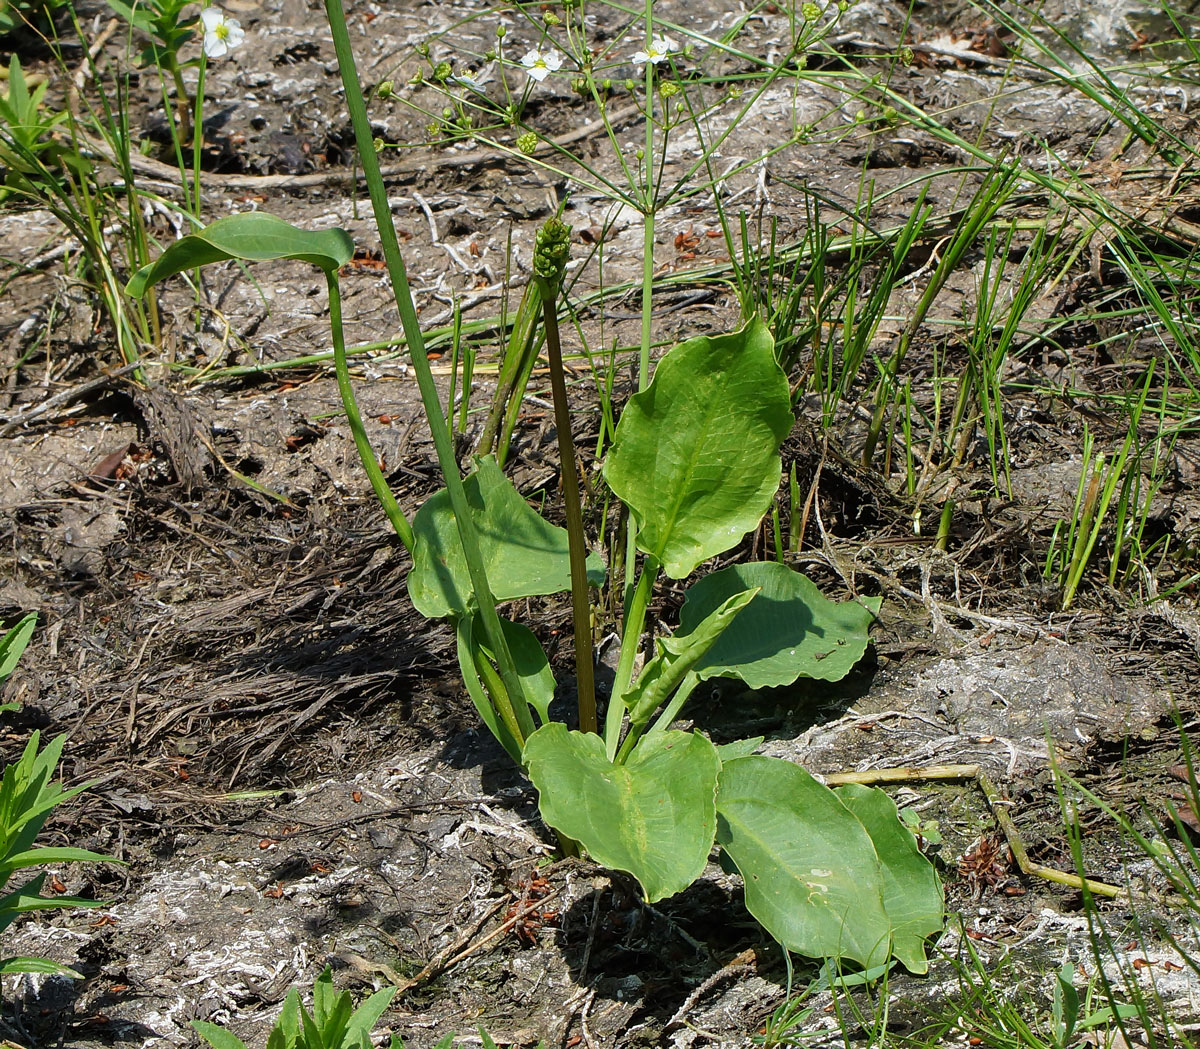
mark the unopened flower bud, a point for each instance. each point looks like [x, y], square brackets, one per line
[551, 252]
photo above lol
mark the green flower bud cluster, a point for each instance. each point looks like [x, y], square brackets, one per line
[551, 252]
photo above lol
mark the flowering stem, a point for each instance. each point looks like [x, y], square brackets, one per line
[442, 440]
[581, 609]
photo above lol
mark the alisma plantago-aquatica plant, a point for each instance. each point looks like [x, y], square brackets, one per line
[695, 461]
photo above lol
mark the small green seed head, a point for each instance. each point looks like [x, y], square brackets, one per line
[378, 145]
[552, 251]
[579, 85]
[551, 19]
[907, 56]
[669, 89]
[810, 11]
[442, 72]
[528, 144]
[418, 78]
[386, 89]
[423, 49]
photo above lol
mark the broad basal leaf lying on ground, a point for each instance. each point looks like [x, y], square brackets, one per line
[654, 816]
[813, 876]
[253, 236]
[523, 554]
[696, 454]
[912, 893]
[790, 629]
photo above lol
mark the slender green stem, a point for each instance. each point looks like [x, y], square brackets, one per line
[635, 620]
[370, 464]
[661, 723]
[198, 134]
[439, 430]
[647, 296]
[581, 609]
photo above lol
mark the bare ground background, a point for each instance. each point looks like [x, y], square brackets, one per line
[200, 641]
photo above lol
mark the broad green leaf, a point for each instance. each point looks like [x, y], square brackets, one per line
[676, 656]
[359, 1028]
[912, 894]
[790, 629]
[253, 236]
[217, 1037]
[654, 816]
[812, 877]
[530, 663]
[37, 965]
[739, 748]
[523, 554]
[465, 631]
[286, 1031]
[14, 643]
[696, 454]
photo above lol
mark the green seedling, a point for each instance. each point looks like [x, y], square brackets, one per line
[27, 141]
[27, 797]
[695, 462]
[334, 1023]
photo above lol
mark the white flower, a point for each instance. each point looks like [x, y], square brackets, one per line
[221, 33]
[656, 51]
[540, 64]
[468, 80]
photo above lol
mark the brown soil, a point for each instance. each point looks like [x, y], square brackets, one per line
[280, 748]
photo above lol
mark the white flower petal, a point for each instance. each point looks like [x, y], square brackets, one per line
[221, 33]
